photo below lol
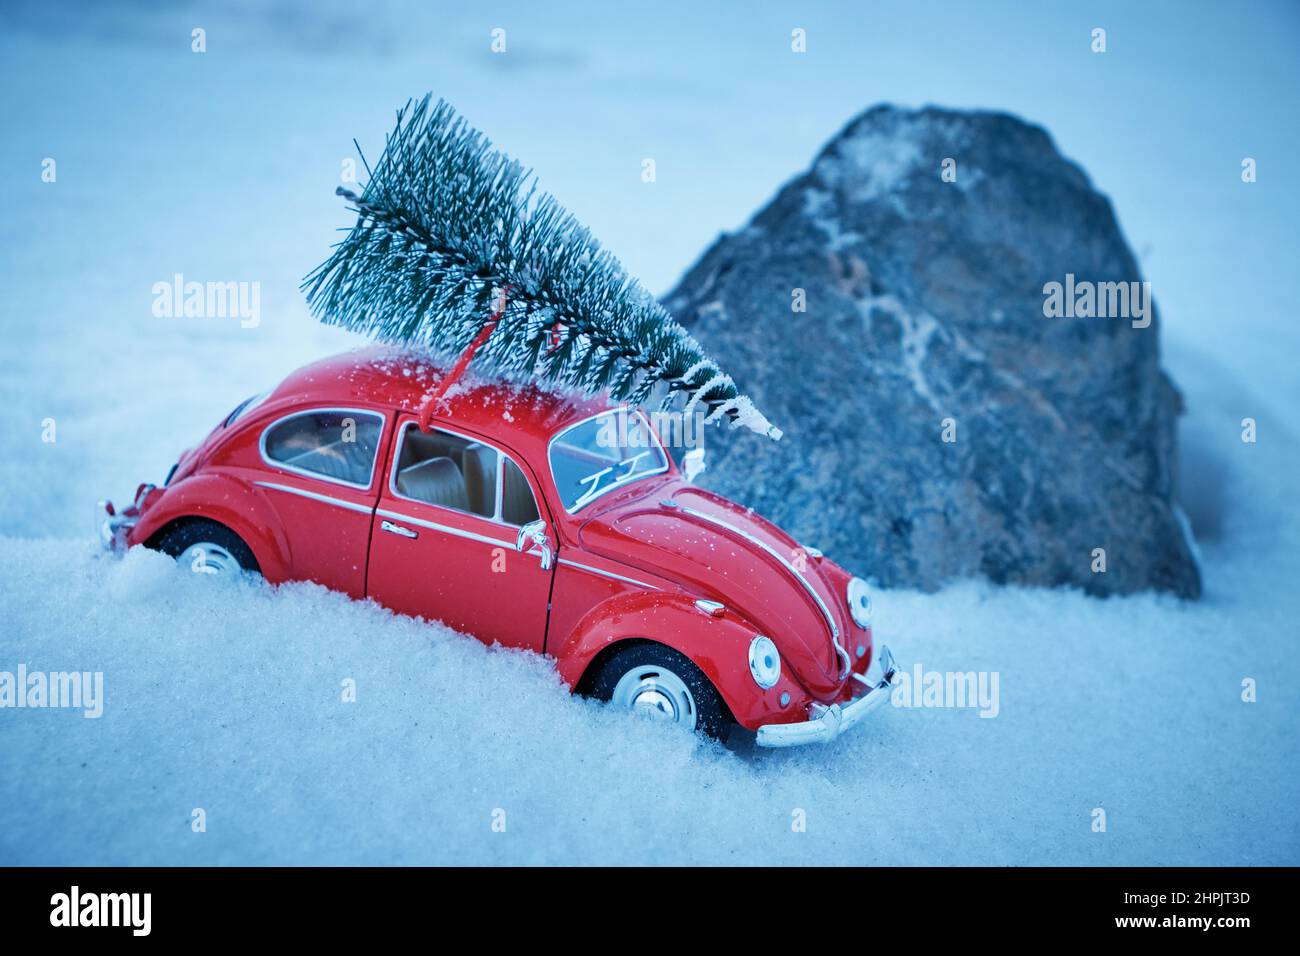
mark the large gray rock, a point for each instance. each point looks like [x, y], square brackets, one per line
[925, 302]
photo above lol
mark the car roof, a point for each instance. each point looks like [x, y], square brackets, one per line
[523, 415]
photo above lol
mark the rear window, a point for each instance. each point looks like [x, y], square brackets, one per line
[247, 405]
[334, 444]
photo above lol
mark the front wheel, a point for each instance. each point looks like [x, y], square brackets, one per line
[663, 685]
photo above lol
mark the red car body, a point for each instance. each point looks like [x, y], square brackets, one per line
[654, 560]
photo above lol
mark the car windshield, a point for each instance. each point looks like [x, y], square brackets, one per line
[603, 453]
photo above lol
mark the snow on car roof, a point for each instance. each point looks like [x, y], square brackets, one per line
[403, 378]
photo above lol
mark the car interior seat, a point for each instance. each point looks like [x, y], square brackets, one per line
[480, 470]
[437, 481]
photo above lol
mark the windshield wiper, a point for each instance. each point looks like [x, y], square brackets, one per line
[630, 464]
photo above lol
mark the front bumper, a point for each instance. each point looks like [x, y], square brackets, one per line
[837, 718]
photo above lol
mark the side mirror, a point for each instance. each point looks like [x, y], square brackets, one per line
[693, 463]
[535, 533]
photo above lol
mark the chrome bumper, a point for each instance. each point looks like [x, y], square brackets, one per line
[837, 718]
[112, 528]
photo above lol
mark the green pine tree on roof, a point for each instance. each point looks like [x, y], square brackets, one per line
[456, 250]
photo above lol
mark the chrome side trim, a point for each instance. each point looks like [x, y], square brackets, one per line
[326, 499]
[826, 612]
[607, 574]
[446, 529]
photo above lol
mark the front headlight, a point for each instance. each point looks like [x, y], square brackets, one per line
[764, 662]
[859, 599]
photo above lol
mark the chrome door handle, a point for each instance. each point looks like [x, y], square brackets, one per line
[398, 529]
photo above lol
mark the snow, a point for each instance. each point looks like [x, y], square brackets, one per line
[877, 163]
[916, 331]
[231, 699]
[816, 202]
[745, 415]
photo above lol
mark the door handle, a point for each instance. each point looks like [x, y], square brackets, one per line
[398, 529]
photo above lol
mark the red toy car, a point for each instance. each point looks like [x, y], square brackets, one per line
[506, 512]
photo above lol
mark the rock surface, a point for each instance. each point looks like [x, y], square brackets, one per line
[925, 303]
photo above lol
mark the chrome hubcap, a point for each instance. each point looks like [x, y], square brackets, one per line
[656, 693]
[208, 558]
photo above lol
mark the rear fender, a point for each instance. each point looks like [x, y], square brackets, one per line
[226, 500]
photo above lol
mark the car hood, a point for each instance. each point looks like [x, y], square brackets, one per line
[718, 550]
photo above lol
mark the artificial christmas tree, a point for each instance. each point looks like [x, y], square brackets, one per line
[456, 250]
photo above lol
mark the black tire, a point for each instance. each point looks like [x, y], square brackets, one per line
[178, 539]
[712, 716]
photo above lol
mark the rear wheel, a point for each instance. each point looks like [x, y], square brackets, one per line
[663, 685]
[208, 548]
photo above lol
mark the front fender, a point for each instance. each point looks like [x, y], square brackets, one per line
[231, 502]
[719, 647]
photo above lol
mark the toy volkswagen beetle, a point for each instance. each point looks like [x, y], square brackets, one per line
[506, 511]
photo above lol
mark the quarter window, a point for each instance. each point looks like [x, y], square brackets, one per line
[517, 503]
[336, 444]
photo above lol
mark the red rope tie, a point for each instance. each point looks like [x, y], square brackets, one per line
[462, 363]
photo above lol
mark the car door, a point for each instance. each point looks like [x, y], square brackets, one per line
[443, 542]
[319, 474]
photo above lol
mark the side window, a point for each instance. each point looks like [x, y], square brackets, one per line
[336, 445]
[447, 470]
[517, 503]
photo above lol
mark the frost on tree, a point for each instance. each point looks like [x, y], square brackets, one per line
[456, 250]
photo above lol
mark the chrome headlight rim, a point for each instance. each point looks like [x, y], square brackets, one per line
[764, 662]
[858, 597]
